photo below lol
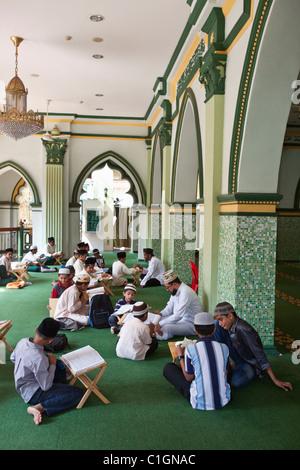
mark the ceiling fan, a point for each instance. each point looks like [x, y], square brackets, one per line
[47, 136]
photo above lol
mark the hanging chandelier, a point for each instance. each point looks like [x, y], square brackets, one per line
[15, 121]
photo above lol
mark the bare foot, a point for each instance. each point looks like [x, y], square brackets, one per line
[37, 412]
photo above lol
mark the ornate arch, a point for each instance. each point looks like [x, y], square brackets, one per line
[187, 97]
[116, 162]
[26, 177]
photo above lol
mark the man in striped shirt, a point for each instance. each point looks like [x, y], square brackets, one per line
[202, 375]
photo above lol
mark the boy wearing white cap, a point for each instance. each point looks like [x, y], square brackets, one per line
[179, 313]
[63, 283]
[127, 300]
[202, 375]
[32, 259]
[136, 341]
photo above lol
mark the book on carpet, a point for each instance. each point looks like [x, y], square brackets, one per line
[83, 359]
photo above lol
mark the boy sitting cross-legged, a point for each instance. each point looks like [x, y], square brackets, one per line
[127, 300]
[40, 379]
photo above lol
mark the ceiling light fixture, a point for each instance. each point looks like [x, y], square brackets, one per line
[15, 121]
[97, 56]
[96, 18]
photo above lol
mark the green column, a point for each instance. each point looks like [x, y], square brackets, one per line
[212, 76]
[165, 132]
[54, 189]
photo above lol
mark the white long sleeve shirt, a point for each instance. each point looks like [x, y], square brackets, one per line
[30, 258]
[155, 270]
[182, 307]
[119, 271]
[134, 340]
[69, 302]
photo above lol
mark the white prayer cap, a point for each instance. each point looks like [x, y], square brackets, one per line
[169, 276]
[203, 319]
[130, 287]
[64, 271]
[140, 308]
[33, 247]
[82, 278]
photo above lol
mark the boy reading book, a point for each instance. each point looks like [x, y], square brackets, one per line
[127, 300]
[41, 379]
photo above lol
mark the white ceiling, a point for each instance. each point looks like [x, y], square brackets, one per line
[139, 38]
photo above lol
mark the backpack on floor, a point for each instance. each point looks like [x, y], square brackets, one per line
[59, 343]
[100, 309]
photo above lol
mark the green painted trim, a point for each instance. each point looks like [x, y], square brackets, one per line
[239, 24]
[199, 5]
[9, 203]
[26, 176]
[258, 27]
[97, 160]
[189, 95]
[91, 116]
[250, 197]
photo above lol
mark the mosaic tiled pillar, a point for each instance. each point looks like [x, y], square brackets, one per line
[182, 240]
[247, 266]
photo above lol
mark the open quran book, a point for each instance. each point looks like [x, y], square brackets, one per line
[83, 359]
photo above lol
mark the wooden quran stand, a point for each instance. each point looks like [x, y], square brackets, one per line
[90, 385]
[4, 327]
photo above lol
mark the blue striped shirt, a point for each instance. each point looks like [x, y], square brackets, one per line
[208, 360]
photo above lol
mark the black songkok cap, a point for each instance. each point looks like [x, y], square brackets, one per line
[48, 328]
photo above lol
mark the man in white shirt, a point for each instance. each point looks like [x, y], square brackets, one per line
[179, 313]
[72, 304]
[153, 275]
[136, 341]
[120, 270]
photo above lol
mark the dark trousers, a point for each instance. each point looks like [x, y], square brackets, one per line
[175, 376]
[60, 396]
[244, 372]
[151, 282]
[153, 347]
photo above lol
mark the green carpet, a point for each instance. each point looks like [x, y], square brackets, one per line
[145, 412]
